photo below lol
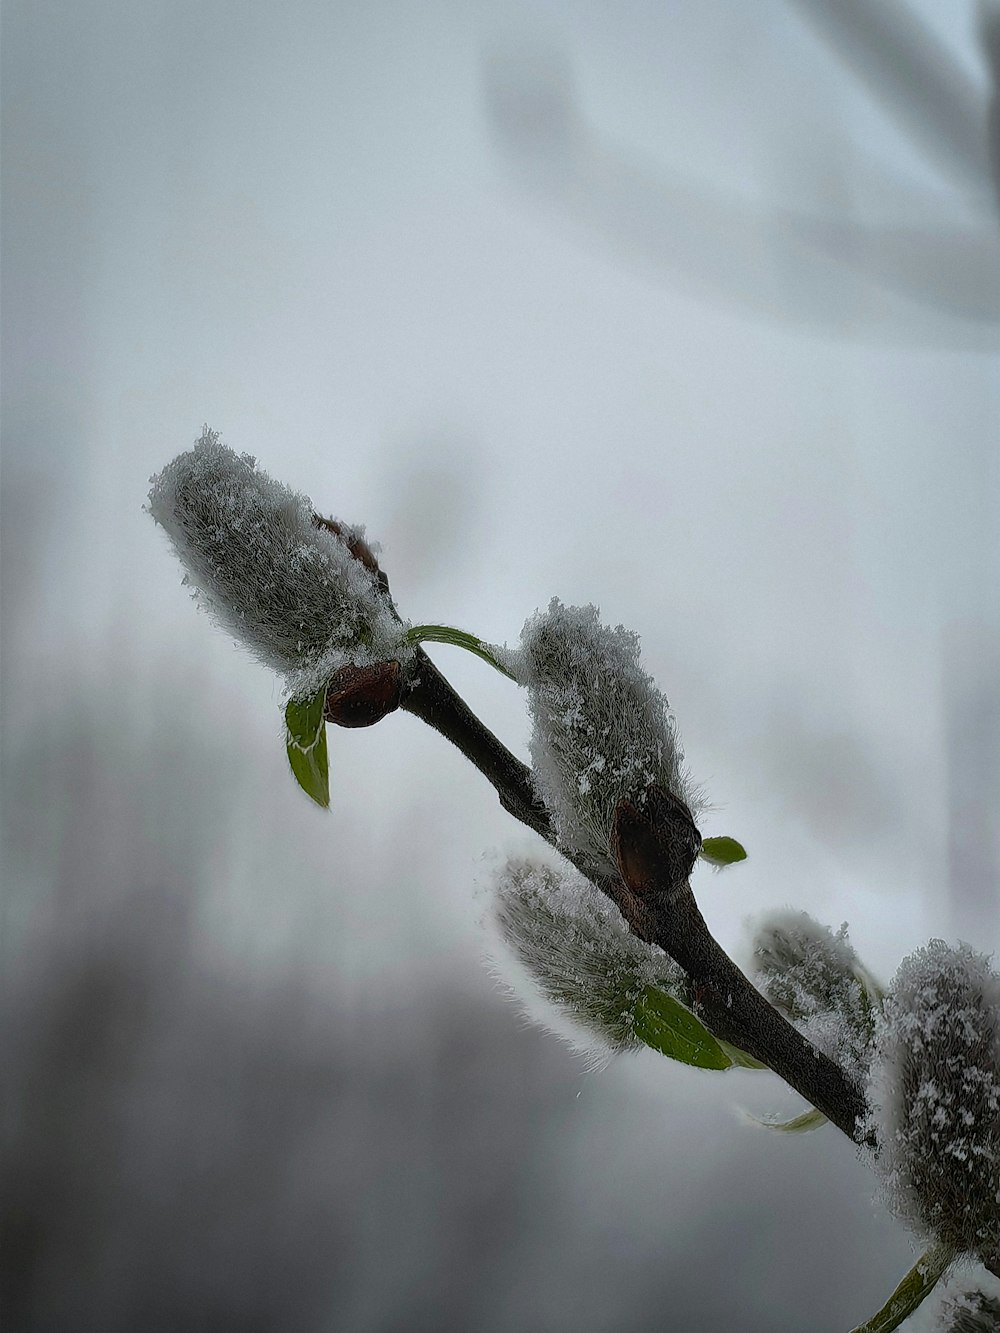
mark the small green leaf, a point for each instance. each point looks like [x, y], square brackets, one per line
[919, 1282]
[304, 719]
[305, 743]
[800, 1124]
[460, 638]
[663, 1023]
[722, 851]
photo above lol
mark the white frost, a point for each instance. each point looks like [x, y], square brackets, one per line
[290, 591]
[578, 951]
[934, 1094]
[602, 730]
[815, 978]
[970, 1312]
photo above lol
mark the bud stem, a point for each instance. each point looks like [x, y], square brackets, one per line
[918, 1284]
[460, 638]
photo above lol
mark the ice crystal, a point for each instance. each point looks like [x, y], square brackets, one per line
[578, 950]
[935, 1097]
[602, 731]
[972, 1312]
[815, 978]
[289, 590]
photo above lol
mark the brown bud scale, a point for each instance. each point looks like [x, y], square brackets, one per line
[362, 696]
[357, 546]
[655, 845]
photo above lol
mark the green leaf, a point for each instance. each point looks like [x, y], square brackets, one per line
[800, 1124]
[722, 851]
[664, 1024]
[460, 638]
[305, 742]
[919, 1282]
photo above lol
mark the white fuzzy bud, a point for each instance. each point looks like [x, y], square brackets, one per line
[289, 590]
[602, 731]
[815, 979]
[579, 952]
[934, 1095]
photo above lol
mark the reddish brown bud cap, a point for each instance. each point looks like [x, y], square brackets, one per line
[655, 845]
[362, 696]
[357, 546]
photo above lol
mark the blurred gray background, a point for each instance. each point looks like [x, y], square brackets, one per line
[690, 310]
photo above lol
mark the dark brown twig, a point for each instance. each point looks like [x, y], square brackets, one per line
[656, 900]
[656, 849]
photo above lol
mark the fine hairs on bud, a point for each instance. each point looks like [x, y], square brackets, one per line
[934, 1095]
[972, 1312]
[288, 589]
[815, 979]
[578, 950]
[602, 731]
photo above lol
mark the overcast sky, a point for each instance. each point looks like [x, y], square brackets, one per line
[658, 306]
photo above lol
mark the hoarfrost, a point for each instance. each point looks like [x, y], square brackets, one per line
[971, 1312]
[934, 1094]
[579, 952]
[602, 730]
[817, 981]
[289, 590]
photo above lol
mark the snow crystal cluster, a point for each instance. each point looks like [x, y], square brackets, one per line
[602, 731]
[972, 1312]
[816, 980]
[576, 947]
[934, 1095]
[289, 590]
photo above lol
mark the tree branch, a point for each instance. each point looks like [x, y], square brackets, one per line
[658, 906]
[429, 697]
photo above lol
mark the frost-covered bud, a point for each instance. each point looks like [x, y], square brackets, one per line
[302, 593]
[935, 1098]
[602, 732]
[816, 980]
[579, 952]
[972, 1312]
